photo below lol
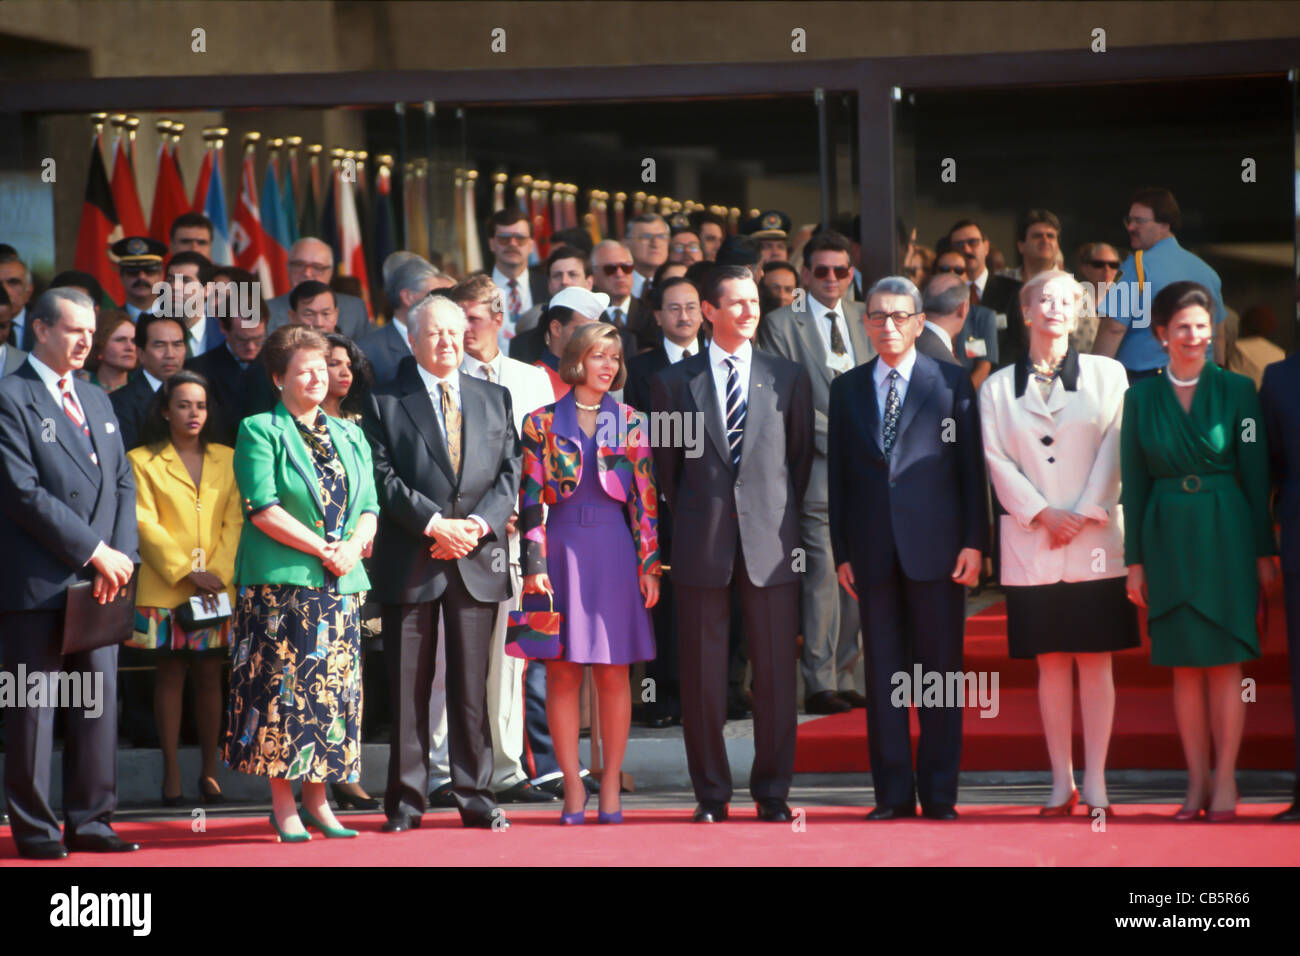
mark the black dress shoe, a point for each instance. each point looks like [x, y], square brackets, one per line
[345, 800]
[590, 782]
[775, 811]
[710, 812]
[1290, 815]
[442, 796]
[97, 843]
[940, 811]
[852, 698]
[401, 823]
[826, 702]
[496, 821]
[525, 792]
[43, 850]
[893, 813]
[554, 786]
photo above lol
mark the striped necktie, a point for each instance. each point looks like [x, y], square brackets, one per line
[73, 411]
[516, 303]
[451, 418]
[736, 406]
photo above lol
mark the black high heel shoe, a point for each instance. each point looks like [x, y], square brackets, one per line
[347, 801]
[210, 796]
[171, 801]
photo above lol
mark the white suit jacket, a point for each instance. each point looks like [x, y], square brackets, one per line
[1062, 453]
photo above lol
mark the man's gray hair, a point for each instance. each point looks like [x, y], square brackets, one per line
[945, 301]
[896, 285]
[645, 219]
[430, 307]
[409, 276]
[395, 259]
[49, 306]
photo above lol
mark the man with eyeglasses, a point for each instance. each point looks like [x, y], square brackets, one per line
[997, 292]
[825, 336]
[1096, 267]
[16, 279]
[977, 342]
[647, 239]
[565, 266]
[908, 526]
[313, 260]
[1124, 330]
[684, 245]
[614, 273]
[510, 239]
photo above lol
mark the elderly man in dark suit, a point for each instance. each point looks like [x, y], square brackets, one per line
[313, 260]
[906, 469]
[825, 336]
[1277, 395]
[735, 499]
[67, 514]
[447, 461]
[946, 303]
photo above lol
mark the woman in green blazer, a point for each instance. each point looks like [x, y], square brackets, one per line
[307, 488]
[1197, 536]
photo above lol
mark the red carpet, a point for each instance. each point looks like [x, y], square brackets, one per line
[1145, 735]
[834, 836]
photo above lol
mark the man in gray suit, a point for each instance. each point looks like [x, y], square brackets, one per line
[312, 259]
[67, 515]
[826, 336]
[406, 285]
[735, 514]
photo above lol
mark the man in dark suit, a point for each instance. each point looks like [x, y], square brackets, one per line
[160, 340]
[735, 511]
[67, 514]
[908, 526]
[997, 292]
[189, 275]
[311, 259]
[612, 273]
[447, 461]
[16, 280]
[222, 366]
[389, 344]
[825, 336]
[946, 302]
[510, 240]
[1277, 395]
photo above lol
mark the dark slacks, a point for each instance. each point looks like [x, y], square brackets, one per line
[771, 622]
[906, 622]
[32, 640]
[1291, 590]
[411, 655]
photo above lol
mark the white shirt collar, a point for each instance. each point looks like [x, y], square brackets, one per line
[49, 377]
[981, 282]
[675, 352]
[503, 280]
[904, 368]
[472, 366]
[941, 332]
[717, 355]
[625, 305]
[154, 383]
[819, 311]
[433, 384]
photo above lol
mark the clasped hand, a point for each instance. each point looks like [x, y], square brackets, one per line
[208, 586]
[1062, 526]
[114, 570]
[454, 538]
[340, 557]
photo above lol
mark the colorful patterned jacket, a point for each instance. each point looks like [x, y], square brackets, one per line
[552, 469]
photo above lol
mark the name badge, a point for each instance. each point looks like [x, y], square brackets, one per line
[839, 363]
[976, 348]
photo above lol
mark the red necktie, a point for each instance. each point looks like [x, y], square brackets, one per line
[73, 411]
[974, 295]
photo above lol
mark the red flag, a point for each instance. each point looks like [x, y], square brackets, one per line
[246, 239]
[168, 197]
[125, 198]
[98, 221]
[201, 187]
[352, 259]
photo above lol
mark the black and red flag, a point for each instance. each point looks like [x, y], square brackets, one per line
[98, 221]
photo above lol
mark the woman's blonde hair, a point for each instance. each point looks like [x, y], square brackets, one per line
[573, 369]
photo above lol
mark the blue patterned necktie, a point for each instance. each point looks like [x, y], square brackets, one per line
[736, 405]
[892, 408]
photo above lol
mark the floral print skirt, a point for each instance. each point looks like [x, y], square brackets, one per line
[295, 684]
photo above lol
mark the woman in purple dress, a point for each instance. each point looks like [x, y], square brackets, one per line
[587, 459]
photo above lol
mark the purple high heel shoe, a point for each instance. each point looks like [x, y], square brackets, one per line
[578, 817]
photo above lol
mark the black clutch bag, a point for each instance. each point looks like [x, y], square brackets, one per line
[88, 625]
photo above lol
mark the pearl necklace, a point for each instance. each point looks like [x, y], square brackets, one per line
[1175, 380]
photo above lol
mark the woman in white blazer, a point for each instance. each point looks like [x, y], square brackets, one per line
[1051, 425]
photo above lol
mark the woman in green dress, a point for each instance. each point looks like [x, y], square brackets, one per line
[1198, 539]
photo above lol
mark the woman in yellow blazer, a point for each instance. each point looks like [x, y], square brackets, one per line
[187, 506]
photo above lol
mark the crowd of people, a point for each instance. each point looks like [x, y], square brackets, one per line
[286, 474]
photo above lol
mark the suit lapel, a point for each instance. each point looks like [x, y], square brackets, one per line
[759, 404]
[813, 344]
[296, 451]
[868, 407]
[419, 406]
[925, 377]
[49, 410]
[706, 400]
[473, 416]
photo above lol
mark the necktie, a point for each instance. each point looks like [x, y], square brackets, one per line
[451, 416]
[736, 406]
[837, 340]
[73, 411]
[974, 294]
[488, 373]
[516, 303]
[618, 318]
[892, 407]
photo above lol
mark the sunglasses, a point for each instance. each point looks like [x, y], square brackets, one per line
[1104, 264]
[505, 237]
[841, 272]
[616, 267]
[957, 270]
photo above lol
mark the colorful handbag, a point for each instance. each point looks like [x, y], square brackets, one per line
[535, 635]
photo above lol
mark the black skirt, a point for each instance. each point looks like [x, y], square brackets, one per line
[1083, 617]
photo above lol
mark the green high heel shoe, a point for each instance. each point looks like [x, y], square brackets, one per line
[331, 833]
[282, 837]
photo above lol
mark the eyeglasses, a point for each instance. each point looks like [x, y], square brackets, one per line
[615, 267]
[680, 247]
[1137, 220]
[841, 272]
[955, 270]
[652, 237]
[304, 266]
[508, 237]
[1104, 264]
[898, 318]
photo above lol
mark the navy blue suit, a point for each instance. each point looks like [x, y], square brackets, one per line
[900, 524]
[56, 505]
[1277, 396]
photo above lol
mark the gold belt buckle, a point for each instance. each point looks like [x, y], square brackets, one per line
[1192, 484]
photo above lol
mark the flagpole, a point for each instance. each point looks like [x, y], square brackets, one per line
[499, 191]
[132, 124]
[399, 182]
[473, 250]
[430, 146]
